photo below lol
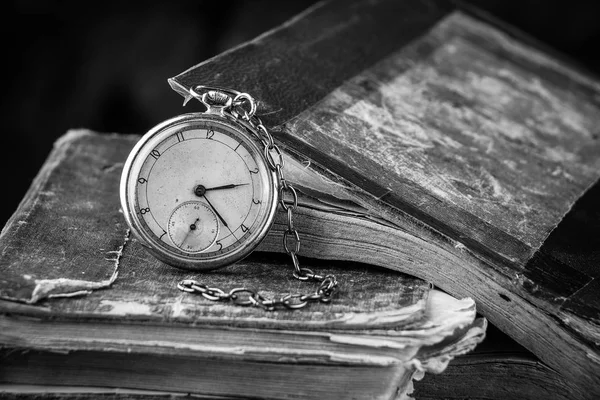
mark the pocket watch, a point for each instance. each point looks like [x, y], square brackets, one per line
[200, 192]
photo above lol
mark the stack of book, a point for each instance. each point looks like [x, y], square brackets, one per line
[446, 167]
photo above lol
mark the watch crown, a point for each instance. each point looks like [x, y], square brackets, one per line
[217, 98]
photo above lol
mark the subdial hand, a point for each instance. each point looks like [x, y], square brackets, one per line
[193, 225]
[192, 228]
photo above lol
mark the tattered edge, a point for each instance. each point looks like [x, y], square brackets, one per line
[63, 287]
[60, 287]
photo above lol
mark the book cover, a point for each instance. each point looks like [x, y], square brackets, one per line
[455, 128]
[80, 295]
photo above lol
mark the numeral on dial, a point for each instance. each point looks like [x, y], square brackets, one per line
[155, 153]
[210, 133]
[244, 228]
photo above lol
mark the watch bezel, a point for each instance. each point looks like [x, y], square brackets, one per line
[129, 177]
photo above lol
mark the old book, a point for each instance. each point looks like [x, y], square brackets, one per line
[84, 305]
[461, 141]
[431, 141]
[499, 369]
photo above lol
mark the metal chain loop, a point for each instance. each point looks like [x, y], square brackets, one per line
[244, 106]
[271, 160]
[296, 240]
[263, 135]
[244, 98]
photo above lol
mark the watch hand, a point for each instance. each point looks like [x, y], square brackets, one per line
[192, 228]
[200, 191]
[216, 212]
[230, 186]
[193, 225]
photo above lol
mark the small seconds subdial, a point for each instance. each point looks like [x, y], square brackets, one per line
[193, 227]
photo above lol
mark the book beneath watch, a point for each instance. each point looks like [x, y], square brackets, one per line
[428, 144]
[80, 295]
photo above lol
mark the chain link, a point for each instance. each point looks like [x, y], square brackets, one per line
[249, 297]
[243, 106]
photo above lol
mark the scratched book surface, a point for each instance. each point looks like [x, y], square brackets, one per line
[469, 127]
[486, 139]
[68, 240]
[484, 150]
[79, 295]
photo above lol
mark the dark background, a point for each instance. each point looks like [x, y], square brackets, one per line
[104, 65]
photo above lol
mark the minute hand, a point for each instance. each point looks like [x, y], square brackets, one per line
[230, 186]
[216, 212]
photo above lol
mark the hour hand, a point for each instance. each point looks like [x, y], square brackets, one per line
[230, 186]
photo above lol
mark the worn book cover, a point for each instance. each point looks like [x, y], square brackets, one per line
[467, 136]
[78, 290]
[424, 139]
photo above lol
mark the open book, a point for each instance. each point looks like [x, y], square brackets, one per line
[423, 140]
[443, 145]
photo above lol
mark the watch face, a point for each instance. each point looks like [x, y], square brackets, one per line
[197, 191]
